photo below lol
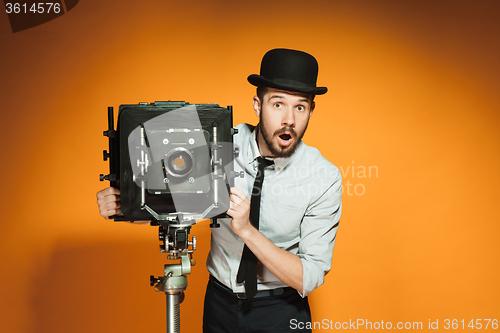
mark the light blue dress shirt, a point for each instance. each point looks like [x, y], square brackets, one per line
[300, 212]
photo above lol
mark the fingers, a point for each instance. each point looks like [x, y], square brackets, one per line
[239, 204]
[108, 201]
[107, 191]
[237, 192]
[237, 196]
[232, 207]
[234, 210]
[107, 214]
[113, 208]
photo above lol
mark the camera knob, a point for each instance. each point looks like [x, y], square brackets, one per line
[105, 155]
[214, 223]
[193, 243]
[109, 133]
[235, 174]
[236, 152]
[153, 280]
[111, 177]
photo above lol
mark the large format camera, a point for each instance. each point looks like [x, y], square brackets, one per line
[173, 163]
[170, 158]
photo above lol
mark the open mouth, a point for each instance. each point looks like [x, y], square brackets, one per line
[285, 136]
[285, 139]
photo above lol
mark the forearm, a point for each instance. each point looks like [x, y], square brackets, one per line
[284, 265]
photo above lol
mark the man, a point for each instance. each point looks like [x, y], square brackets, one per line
[277, 247]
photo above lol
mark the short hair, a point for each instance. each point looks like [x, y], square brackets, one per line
[262, 90]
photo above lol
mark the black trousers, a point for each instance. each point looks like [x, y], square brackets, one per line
[226, 313]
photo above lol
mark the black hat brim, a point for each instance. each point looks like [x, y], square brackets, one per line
[289, 85]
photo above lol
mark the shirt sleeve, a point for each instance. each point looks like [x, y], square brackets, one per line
[318, 231]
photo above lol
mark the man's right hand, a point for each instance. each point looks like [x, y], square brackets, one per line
[108, 201]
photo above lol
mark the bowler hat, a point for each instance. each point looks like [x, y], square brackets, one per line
[289, 70]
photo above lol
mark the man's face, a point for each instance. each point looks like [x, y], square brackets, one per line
[284, 116]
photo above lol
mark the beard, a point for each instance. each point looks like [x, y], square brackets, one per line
[274, 147]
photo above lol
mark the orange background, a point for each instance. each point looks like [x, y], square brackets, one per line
[413, 94]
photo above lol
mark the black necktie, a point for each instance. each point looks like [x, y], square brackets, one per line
[248, 265]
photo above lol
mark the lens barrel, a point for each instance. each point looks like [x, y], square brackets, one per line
[179, 162]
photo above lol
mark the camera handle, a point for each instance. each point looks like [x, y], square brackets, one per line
[111, 134]
[174, 235]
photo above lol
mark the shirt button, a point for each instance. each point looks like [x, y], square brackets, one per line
[235, 278]
[240, 253]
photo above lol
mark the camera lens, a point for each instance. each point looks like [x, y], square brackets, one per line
[179, 162]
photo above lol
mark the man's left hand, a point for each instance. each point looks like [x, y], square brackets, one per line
[239, 210]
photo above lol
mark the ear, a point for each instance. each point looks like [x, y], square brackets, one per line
[256, 105]
[313, 105]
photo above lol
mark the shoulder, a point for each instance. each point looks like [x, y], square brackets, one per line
[317, 165]
[244, 128]
[244, 133]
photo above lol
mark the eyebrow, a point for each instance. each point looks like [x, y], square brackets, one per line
[282, 97]
[276, 96]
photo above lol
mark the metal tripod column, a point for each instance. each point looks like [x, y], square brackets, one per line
[173, 313]
[173, 285]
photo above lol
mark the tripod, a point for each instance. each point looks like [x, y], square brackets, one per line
[174, 235]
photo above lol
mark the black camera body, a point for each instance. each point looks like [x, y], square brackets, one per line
[171, 158]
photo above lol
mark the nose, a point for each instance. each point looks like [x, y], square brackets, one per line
[288, 118]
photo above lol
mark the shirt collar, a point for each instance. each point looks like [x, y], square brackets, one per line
[280, 163]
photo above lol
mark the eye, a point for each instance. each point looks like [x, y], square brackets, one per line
[278, 105]
[301, 108]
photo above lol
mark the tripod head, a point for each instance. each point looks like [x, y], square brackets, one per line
[176, 244]
[174, 234]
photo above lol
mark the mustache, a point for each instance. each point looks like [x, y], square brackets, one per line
[284, 130]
